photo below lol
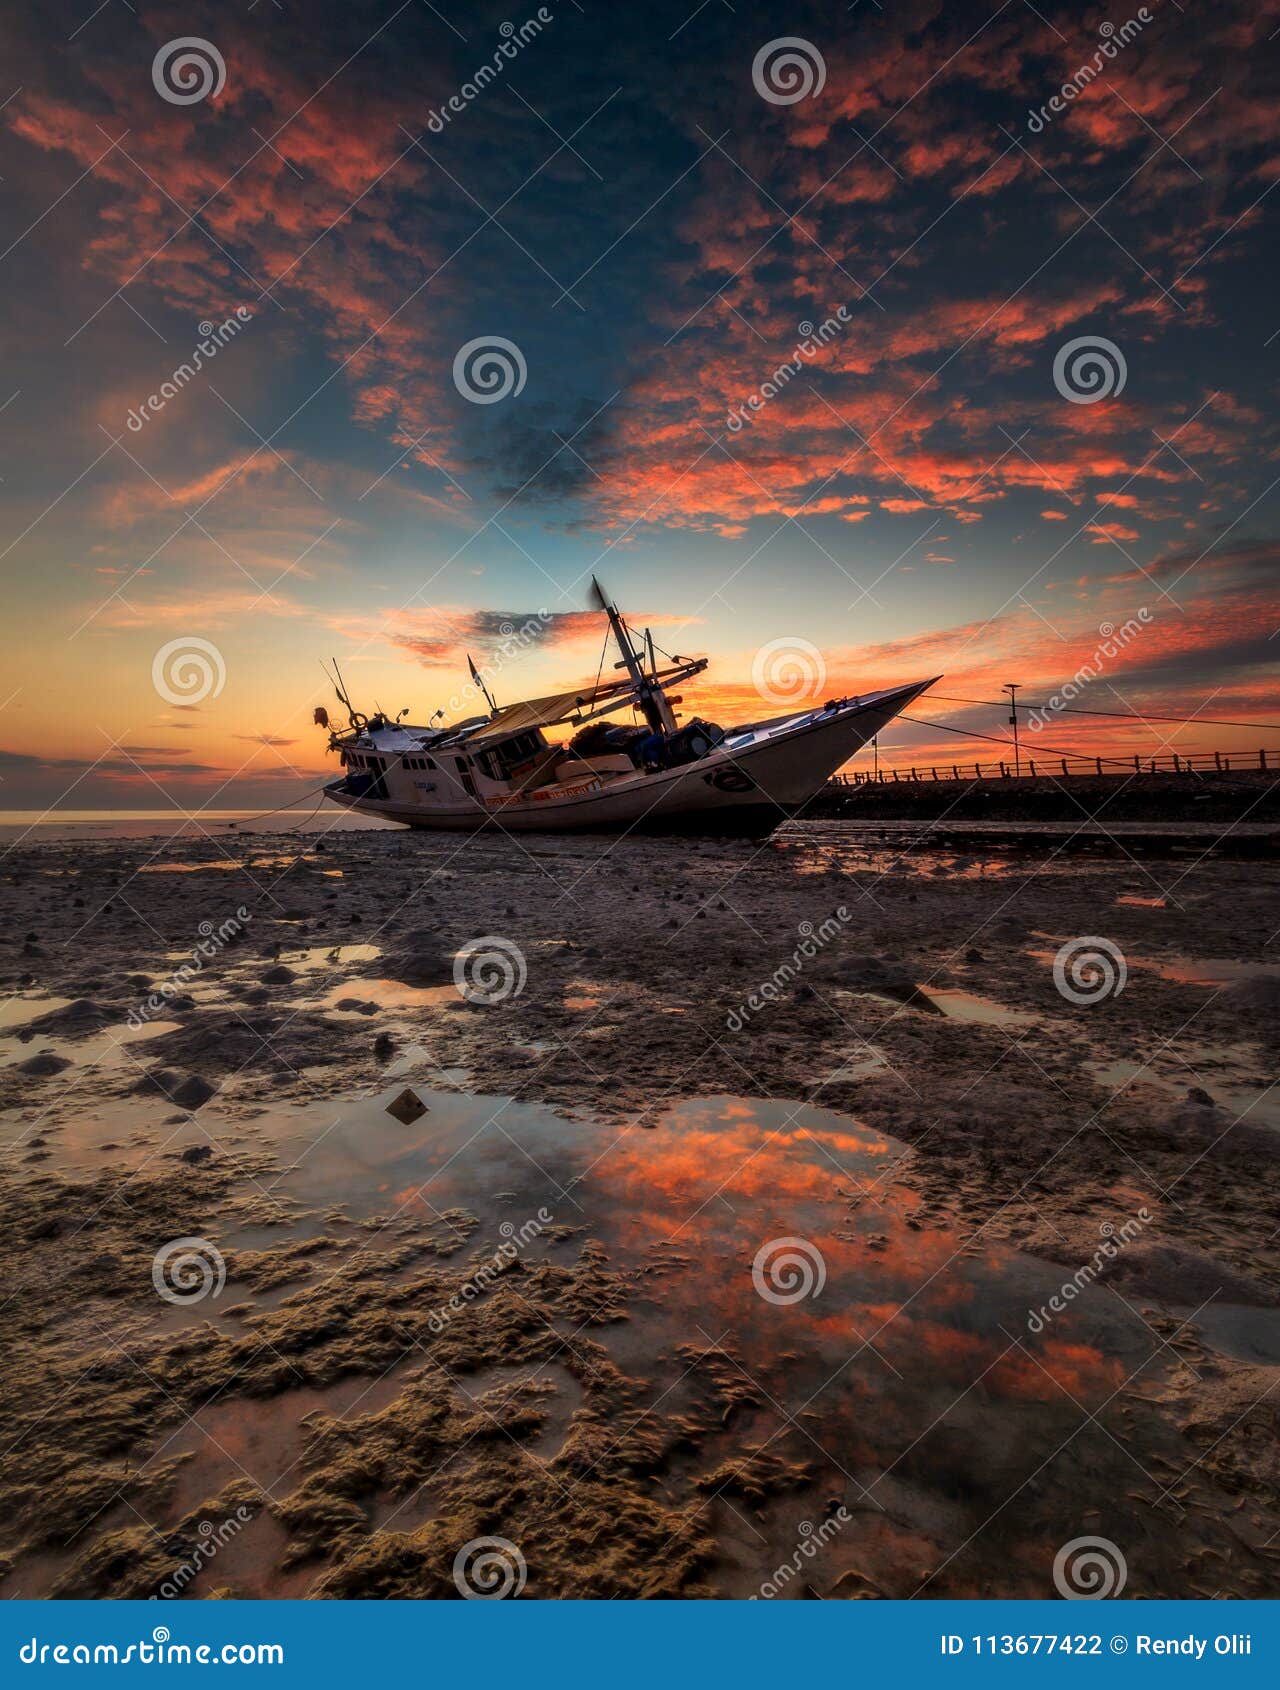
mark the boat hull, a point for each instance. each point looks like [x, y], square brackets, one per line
[746, 790]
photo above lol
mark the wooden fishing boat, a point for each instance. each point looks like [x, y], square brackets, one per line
[501, 770]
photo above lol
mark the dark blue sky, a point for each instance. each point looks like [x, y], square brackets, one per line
[644, 214]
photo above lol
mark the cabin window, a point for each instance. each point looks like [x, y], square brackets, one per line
[520, 748]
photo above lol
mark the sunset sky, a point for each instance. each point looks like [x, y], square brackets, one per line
[649, 208]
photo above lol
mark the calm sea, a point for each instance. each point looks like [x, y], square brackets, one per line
[172, 824]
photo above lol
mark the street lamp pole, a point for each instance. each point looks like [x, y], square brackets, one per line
[1011, 687]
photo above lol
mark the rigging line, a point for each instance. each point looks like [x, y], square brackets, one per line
[1056, 750]
[1118, 715]
[604, 652]
[315, 792]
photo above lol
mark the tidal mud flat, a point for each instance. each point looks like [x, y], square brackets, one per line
[803, 1218]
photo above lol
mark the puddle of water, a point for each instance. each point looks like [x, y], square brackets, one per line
[1208, 971]
[770, 1242]
[140, 1128]
[102, 1049]
[262, 1439]
[1250, 1335]
[868, 1061]
[224, 865]
[311, 957]
[235, 1438]
[220, 863]
[21, 1007]
[913, 1346]
[716, 1179]
[954, 1004]
[1188, 971]
[284, 860]
[1228, 1073]
[969, 1006]
[391, 995]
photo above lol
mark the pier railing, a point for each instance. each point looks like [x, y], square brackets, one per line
[1040, 768]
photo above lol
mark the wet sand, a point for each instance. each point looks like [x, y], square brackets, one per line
[723, 1245]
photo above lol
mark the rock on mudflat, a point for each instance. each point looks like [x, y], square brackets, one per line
[73, 1020]
[407, 1108]
[873, 974]
[188, 1092]
[192, 1092]
[44, 1063]
[419, 960]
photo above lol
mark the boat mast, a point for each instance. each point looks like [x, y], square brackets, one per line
[651, 698]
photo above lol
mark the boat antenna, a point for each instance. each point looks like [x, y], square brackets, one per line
[478, 678]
